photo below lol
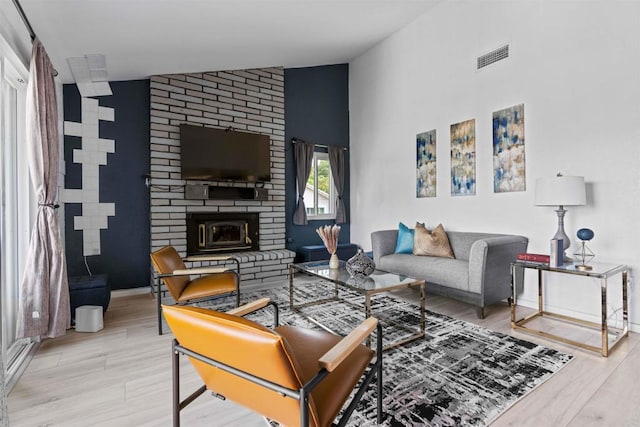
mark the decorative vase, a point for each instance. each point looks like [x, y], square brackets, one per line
[360, 265]
[334, 262]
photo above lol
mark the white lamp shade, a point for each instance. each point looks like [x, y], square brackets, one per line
[560, 191]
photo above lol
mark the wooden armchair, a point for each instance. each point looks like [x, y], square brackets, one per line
[291, 375]
[211, 281]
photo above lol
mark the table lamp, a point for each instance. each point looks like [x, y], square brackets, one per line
[561, 191]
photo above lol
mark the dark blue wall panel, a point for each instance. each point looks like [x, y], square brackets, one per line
[125, 244]
[316, 105]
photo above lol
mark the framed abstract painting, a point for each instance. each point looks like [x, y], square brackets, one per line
[508, 150]
[463, 158]
[426, 164]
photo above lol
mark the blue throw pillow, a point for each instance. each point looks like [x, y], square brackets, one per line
[404, 245]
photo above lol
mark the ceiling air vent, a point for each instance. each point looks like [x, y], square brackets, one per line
[493, 56]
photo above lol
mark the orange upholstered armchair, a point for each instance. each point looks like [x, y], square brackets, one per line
[291, 375]
[211, 281]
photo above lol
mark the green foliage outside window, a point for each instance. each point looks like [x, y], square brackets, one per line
[323, 175]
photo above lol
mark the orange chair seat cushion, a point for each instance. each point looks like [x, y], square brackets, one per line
[207, 286]
[307, 346]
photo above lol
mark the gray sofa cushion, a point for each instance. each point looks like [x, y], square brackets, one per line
[448, 272]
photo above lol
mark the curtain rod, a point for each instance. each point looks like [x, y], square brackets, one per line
[294, 140]
[25, 20]
[27, 24]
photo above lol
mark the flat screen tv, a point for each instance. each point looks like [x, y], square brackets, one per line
[210, 154]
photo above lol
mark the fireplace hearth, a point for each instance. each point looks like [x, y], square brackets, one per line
[217, 233]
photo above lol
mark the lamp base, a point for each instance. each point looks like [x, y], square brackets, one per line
[560, 234]
[583, 267]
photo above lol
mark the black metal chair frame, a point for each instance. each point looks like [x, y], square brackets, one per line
[302, 395]
[159, 278]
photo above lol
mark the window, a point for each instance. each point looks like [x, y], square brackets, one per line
[320, 194]
[15, 210]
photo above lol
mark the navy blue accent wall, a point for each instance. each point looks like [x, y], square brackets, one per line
[125, 245]
[316, 108]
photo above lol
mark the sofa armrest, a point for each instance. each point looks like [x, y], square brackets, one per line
[383, 243]
[490, 265]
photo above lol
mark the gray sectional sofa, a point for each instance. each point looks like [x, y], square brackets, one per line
[479, 275]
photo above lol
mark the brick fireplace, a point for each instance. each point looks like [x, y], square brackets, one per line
[246, 100]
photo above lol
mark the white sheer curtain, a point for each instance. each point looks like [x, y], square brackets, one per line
[44, 308]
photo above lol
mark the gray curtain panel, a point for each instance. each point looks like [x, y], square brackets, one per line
[336, 161]
[303, 152]
[44, 305]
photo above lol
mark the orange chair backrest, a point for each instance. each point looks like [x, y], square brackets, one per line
[165, 261]
[245, 345]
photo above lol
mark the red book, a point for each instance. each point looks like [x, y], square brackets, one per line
[532, 257]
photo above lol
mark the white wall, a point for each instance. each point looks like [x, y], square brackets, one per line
[14, 32]
[576, 68]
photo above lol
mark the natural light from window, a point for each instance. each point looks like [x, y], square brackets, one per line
[320, 194]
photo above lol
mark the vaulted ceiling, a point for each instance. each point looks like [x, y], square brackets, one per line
[145, 37]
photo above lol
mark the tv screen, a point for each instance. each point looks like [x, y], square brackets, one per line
[210, 154]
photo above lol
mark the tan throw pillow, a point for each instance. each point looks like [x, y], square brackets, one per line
[432, 243]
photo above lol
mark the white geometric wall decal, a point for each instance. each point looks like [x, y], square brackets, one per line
[92, 154]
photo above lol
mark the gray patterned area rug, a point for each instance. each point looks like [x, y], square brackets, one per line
[460, 374]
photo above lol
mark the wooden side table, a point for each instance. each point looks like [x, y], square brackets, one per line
[600, 271]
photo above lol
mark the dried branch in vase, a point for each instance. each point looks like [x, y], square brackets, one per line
[329, 236]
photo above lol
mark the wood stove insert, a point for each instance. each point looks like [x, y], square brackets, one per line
[216, 233]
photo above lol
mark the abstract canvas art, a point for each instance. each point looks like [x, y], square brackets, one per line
[463, 158]
[426, 164]
[508, 150]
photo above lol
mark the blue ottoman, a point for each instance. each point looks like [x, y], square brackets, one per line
[319, 252]
[89, 290]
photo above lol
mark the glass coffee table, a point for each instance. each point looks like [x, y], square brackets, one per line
[379, 281]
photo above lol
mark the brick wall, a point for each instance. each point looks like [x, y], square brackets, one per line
[247, 100]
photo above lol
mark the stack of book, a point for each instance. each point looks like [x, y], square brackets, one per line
[536, 259]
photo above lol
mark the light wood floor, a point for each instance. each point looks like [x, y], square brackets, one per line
[121, 376]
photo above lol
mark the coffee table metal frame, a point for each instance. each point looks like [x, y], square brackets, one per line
[336, 276]
[600, 271]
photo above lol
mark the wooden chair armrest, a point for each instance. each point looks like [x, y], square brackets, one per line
[336, 354]
[199, 270]
[249, 307]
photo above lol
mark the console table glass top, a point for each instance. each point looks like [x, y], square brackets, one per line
[598, 270]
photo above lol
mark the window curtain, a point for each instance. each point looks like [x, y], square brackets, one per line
[303, 152]
[44, 303]
[336, 162]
